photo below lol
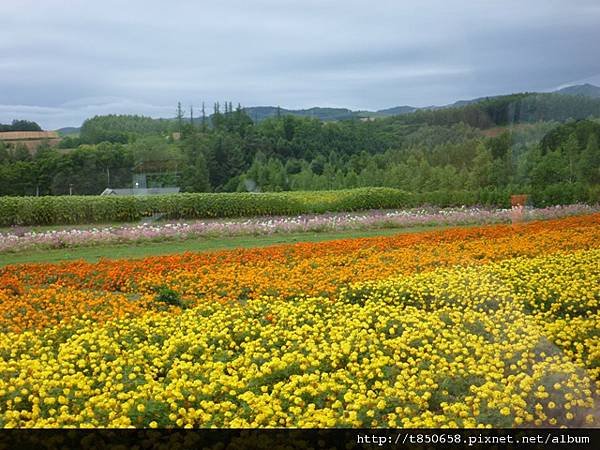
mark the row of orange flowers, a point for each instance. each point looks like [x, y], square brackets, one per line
[37, 295]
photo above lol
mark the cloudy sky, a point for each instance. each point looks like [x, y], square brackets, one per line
[64, 60]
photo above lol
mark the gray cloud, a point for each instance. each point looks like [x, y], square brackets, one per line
[62, 61]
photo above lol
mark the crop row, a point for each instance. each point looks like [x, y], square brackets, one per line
[106, 209]
[98, 209]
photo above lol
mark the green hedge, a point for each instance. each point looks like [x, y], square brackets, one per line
[96, 209]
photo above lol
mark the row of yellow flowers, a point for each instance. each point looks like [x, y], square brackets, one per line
[511, 343]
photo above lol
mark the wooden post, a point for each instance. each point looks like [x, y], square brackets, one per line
[517, 208]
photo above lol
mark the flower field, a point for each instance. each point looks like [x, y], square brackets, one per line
[485, 326]
[17, 239]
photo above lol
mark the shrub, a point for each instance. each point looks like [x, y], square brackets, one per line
[168, 296]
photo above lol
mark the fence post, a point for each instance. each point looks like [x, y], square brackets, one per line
[517, 208]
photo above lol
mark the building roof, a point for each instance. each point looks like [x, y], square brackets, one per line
[26, 135]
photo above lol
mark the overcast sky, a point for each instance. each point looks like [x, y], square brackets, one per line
[62, 61]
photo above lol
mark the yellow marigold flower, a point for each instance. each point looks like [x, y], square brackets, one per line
[589, 419]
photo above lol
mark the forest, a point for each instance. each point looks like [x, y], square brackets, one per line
[543, 144]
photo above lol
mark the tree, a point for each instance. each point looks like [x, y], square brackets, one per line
[276, 176]
[318, 164]
[256, 178]
[157, 158]
[500, 145]
[571, 151]
[482, 168]
[21, 153]
[241, 122]
[289, 126]
[293, 166]
[265, 174]
[4, 155]
[195, 177]
[217, 119]
[588, 167]
[552, 168]
[121, 128]
[424, 151]
[20, 125]
[179, 118]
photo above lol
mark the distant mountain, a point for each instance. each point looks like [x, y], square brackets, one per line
[462, 103]
[397, 110]
[259, 113]
[583, 90]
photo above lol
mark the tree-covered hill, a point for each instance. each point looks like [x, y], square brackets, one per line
[260, 113]
[542, 143]
[584, 90]
[509, 109]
